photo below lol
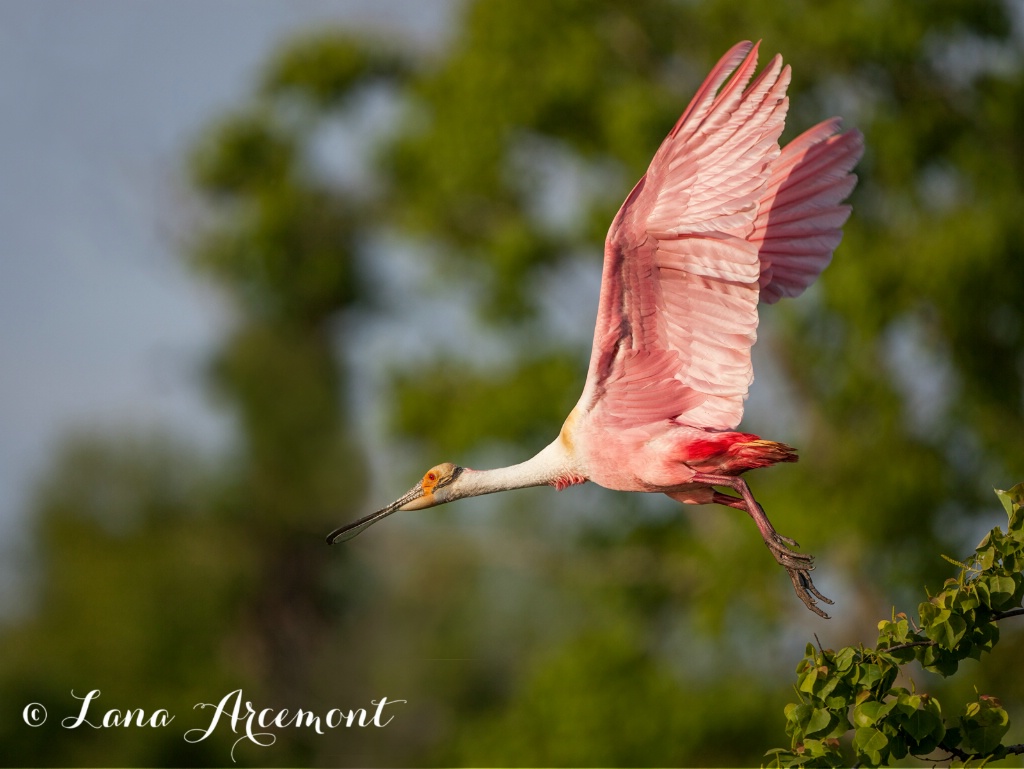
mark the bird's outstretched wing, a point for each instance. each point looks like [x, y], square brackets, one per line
[683, 269]
[799, 221]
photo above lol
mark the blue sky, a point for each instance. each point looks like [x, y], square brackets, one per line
[100, 324]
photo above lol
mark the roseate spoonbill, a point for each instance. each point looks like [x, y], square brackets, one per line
[722, 220]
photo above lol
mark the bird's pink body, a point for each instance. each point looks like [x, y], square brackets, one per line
[665, 457]
[723, 220]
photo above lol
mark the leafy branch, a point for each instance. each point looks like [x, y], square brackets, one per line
[853, 690]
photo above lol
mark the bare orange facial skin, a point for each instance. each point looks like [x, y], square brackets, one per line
[429, 481]
[437, 477]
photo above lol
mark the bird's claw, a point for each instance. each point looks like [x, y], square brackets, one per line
[799, 567]
[786, 540]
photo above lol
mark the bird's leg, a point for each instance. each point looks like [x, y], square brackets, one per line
[797, 565]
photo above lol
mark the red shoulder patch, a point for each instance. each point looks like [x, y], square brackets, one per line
[713, 445]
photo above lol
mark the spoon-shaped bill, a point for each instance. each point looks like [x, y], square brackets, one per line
[349, 530]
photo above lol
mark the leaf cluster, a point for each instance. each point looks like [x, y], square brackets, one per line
[852, 693]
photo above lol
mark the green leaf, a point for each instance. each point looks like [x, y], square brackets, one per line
[907, 703]
[947, 632]
[869, 744]
[985, 556]
[1002, 588]
[985, 636]
[923, 724]
[931, 613]
[807, 680]
[953, 737]
[831, 681]
[1012, 500]
[967, 600]
[838, 702]
[898, 747]
[844, 658]
[870, 673]
[797, 716]
[982, 591]
[868, 713]
[983, 725]
[819, 722]
[938, 660]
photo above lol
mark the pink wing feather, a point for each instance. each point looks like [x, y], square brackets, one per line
[683, 267]
[800, 219]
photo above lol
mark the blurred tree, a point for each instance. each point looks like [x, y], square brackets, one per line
[135, 596]
[622, 630]
[165, 583]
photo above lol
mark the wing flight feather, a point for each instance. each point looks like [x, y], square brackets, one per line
[721, 218]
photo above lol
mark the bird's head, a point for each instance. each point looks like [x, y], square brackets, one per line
[436, 487]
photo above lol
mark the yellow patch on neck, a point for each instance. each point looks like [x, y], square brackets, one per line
[565, 435]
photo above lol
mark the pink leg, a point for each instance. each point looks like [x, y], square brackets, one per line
[797, 565]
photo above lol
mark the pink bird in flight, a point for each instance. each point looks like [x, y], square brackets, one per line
[722, 220]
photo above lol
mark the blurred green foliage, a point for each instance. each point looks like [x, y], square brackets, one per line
[852, 693]
[582, 628]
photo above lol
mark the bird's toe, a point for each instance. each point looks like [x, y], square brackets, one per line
[805, 590]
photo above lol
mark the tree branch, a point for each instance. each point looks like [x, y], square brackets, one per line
[996, 616]
[907, 645]
[1009, 750]
[1009, 613]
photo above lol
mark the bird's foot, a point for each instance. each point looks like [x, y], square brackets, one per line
[799, 567]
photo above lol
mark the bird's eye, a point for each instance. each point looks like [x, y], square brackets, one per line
[431, 476]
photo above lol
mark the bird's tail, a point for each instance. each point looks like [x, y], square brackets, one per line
[759, 452]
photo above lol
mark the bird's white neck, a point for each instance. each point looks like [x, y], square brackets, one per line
[551, 466]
